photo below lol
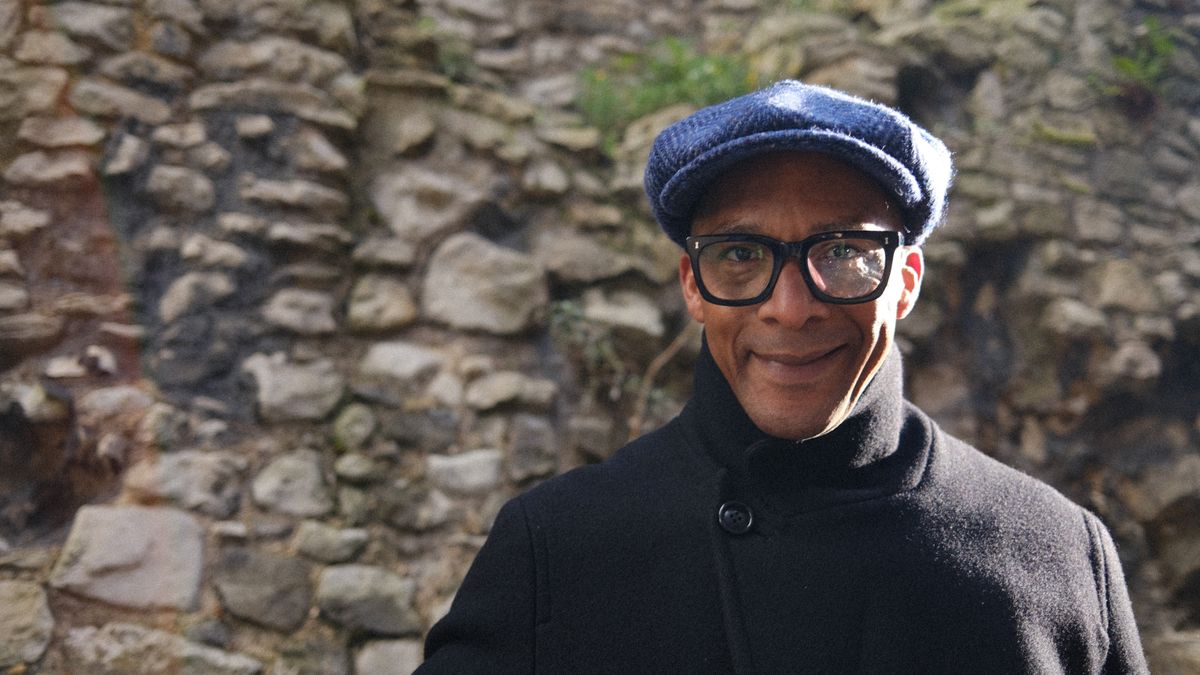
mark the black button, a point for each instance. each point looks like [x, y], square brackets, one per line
[735, 517]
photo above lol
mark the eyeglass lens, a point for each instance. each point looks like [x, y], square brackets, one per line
[845, 268]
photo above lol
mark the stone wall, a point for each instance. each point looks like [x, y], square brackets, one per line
[295, 293]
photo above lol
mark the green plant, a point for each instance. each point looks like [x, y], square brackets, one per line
[452, 52]
[630, 86]
[592, 346]
[1139, 73]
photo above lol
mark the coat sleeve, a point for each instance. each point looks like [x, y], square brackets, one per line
[1124, 645]
[490, 627]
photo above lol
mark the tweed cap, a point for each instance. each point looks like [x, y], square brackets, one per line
[912, 166]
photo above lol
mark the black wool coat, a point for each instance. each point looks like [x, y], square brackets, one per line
[886, 546]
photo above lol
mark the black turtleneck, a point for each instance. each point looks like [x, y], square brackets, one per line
[861, 458]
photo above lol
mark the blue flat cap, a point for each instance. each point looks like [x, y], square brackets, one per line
[911, 165]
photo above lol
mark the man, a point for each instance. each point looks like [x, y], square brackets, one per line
[798, 516]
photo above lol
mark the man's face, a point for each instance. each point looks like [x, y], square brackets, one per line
[796, 364]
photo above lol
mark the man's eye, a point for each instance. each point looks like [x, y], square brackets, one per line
[741, 253]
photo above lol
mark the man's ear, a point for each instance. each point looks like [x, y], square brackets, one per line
[691, 293]
[912, 269]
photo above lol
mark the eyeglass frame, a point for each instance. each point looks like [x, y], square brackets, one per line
[784, 250]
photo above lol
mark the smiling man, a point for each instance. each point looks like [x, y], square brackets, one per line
[799, 516]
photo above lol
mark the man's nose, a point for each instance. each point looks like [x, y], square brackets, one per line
[792, 304]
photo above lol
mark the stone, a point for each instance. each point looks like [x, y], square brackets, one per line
[624, 310]
[353, 427]
[59, 132]
[299, 194]
[1097, 221]
[302, 100]
[545, 178]
[330, 23]
[254, 126]
[328, 544]
[291, 391]
[26, 624]
[277, 58]
[10, 22]
[1161, 486]
[140, 67]
[419, 204]
[27, 91]
[418, 510]
[1173, 653]
[356, 506]
[133, 556]
[574, 258]
[1188, 198]
[311, 656]
[13, 297]
[110, 26]
[309, 235]
[399, 361]
[194, 290]
[264, 588]
[10, 265]
[1122, 284]
[59, 367]
[534, 447]
[23, 333]
[41, 169]
[207, 252]
[592, 436]
[185, 135]
[367, 599]
[385, 252]
[476, 131]
[50, 48]
[18, 221]
[1134, 364]
[474, 284]
[1071, 318]
[177, 188]
[129, 649]
[210, 156]
[380, 303]
[310, 150]
[476, 472]
[294, 484]
[104, 99]
[411, 132]
[170, 39]
[575, 139]
[207, 482]
[355, 467]
[506, 386]
[388, 657]
[301, 311]
[128, 155]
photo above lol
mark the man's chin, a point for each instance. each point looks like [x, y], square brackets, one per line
[786, 424]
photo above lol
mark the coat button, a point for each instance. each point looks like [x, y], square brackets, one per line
[735, 517]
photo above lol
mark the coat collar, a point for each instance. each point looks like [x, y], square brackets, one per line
[858, 459]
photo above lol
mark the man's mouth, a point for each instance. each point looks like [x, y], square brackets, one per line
[797, 368]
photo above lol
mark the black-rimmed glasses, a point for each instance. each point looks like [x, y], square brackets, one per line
[844, 267]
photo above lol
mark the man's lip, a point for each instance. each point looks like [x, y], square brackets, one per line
[796, 368]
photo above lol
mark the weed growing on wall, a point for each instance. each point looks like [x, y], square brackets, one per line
[613, 94]
[1139, 73]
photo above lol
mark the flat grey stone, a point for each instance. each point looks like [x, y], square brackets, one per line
[26, 91]
[18, 221]
[385, 252]
[507, 386]
[297, 193]
[128, 155]
[212, 252]
[418, 203]
[624, 309]
[184, 135]
[354, 426]
[388, 657]
[208, 482]
[13, 296]
[380, 303]
[40, 169]
[475, 472]
[58, 132]
[178, 188]
[50, 48]
[301, 311]
[275, 57]
[104, 99]
[534, 447]
[264, 588]
[27, 332]
[294, 391]
[133, 556]
[26, 623]
[194, 290]
[129, 649]
[136, 67]
[399, 360]
[302, 100]
[294, 484]
[329, 544]
[368, 599]
[110, 26]
[311, 150]
[474, 284]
